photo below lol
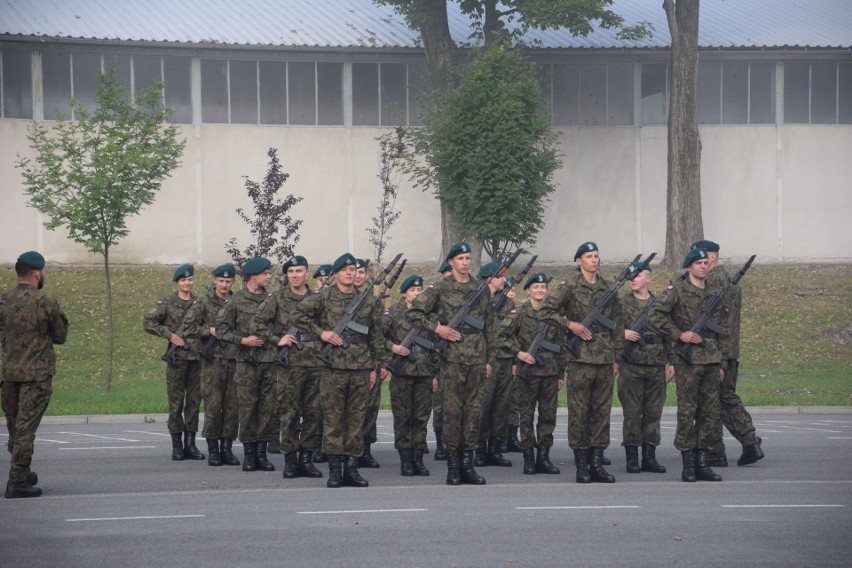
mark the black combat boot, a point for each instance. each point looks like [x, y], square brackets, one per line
[513, 444]
[440, 454]
[177, 446]
[494, 456]
[32, 478]
[351, 477]
[274, 446]
[417, 462]
[306, 465]
[632, 453]
[605, 460]
[190, 452]
[453, 468]
[335, 479]
[367, 460]
[291, 466]
[717, 459]
[21, 490]
[688, 466]
[406, 462]
[599, 474]
[751, 453]
[649, 459]
[702, 470]
[228, 457]
[468, 474]
[250, 453]
[480, 457]
[543, 463]
[263, 462]
[581, 460]
[319, 455]
[214, 457]
[529, 461]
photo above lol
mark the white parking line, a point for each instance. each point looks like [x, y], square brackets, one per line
[135, 518]
[149, 433]
[361, 511]
[111, 438]
[109, 448]
[579, 507]
[777, 506]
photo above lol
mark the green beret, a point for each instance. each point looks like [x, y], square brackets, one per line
[588, 246]
[709, 246]
[634, 266]
[693, 255]
[183, 271]
[445, 266]
[295, 261]
[490, 269]
[537, 278]
[256, 265]
[413, 280]
[361, 263]
[457, 249]
[32, 259]
[224, 271]
[343, 260]
[323, 270]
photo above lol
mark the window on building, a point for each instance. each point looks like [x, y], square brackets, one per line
[736, 92]
[619, 94]
[655, 95]
[823, 92]
[16, 79]
[147, 70]
[121, 65]
[273, 92]
[56, 82]
[592, 94]
[844, 90]
[330, 93]
[301, 92]
[178, 92]
[243, 91]
[214, 91]
[761, 105]
[393, 81]
[87, 73]
[419, 88]
[365, 94]
[819, 92]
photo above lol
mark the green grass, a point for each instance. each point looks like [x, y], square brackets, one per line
[785, 359]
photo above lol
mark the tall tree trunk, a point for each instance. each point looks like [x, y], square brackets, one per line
[684, 223]
[110, 334]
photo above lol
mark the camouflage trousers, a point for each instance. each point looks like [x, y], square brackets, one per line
[697, 406]
[258, 401]
[411, 403]
[438, 409]
[495, 403]
[344, 394]
[373, 404]
[642, 392]
[462, 386]
[23, 404]
[513, 417]
[219, 392]
[733, 414]
[589, 405]
[183, 385]
[541, 392]
[299, 408]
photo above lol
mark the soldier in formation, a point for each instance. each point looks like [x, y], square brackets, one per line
[437, 395]
[374, 403]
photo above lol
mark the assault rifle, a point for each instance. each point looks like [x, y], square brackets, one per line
[638, 326]
[346, 321]
[684, 350]
[283, 357]
[206, 352]
[538, 343]
[463, 313]
[503, 295]
[169, 355]
[595, 315]
[391, 281]
[411, 341]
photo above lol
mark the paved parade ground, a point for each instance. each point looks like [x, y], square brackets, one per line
[113, 497]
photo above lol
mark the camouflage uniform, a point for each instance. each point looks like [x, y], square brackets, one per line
[30, 323]
[183, 382]
[411, 388]
[255, 372]
[590, 375]
[642, 379]
[345, 386]
[218, 388]
[494, 425]
[298, 384]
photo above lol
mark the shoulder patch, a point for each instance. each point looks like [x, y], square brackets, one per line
[160, 303]
[430, 287]
[387, 312]
[513, 311]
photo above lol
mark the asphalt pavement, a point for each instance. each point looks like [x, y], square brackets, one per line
[113, 497]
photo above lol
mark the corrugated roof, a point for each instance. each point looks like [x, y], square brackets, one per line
[363, 24]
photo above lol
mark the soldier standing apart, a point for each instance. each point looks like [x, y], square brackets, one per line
[30, 323]
[590, 375]
[495, 402]
[345, 386]
[218, 389]
[410, 388]
[183, 380]
[375, 401]
[541, 386]
[298, 383]
[644, 370]
[255, 372]
[734, 415]
[437, 396]
[466, 365]
[698, 380]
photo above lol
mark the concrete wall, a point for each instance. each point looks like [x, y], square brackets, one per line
[783, 193]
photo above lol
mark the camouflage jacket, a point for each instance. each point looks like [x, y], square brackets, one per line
[201, 317]
[657, 350]
[441, 302]
[321, 312]
[274, 317]
[396, 327]
[165, 319]
[518, 332]
[734, 300]
[680, 309]
[234, 322]
[572, 302]
[30, 323]
[503, 315]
